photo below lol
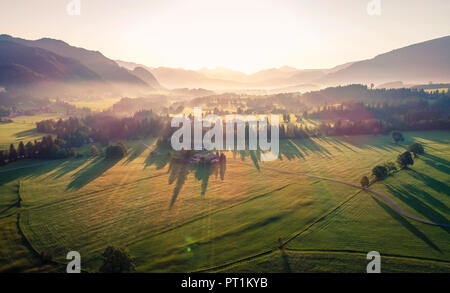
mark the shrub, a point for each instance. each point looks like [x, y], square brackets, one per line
[365, 181]
[416, 149]
[405, 159]
[117, 260]
[397, 136]
[115, 152]
[93, 150]
[390, 166]
[45, 256]
[379, 172]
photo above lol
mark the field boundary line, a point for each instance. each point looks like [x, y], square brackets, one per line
[386, 199]
[365, 253]
[200, 217]
[283, 244]
[267, 252]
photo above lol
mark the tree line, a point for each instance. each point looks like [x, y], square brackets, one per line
[104, 128]
[47, 148]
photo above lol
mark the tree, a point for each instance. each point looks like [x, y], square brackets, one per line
[390, 166]
[379, 172]
[405, 159]
[365, 181]
[397, 136]
[93, 150]
[115, 152]
[4, 112]
[416, 149]
[29, 150]
[117, 260]
[21, 150]
[12, 153]
[3, 157]
[123, 147]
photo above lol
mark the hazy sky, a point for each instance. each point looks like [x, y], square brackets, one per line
[246, 35]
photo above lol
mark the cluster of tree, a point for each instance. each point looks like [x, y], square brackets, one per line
[116, 152]
[347, 127]
[103, 128]
[382, 171]
[4, 112]
[47, 148]
[352, 111]
[245, 104]
[151, 102]
[358, 92]
[359, 118]
[298, 131]
[117, 260]
[404, 160]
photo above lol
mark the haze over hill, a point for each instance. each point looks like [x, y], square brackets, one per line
[418, 63]
[21, 65]
[96, 63]
[224, 78]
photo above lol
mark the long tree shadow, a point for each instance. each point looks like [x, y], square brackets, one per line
[178, 173]
[159, 161]
[405, 223]
[427, 197]
[31, 169]
[66, 167]
[135, 152]
[429, 181]
[438, 163]
[89, 173]
[286, 265]
[222, 169]
[26, 133]
[202, 174]
[419, 206]
[289, 150]
[308, 145]
[336, 141]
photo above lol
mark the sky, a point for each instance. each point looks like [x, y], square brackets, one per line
[245, 35]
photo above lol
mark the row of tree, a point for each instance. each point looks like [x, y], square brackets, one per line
[47, 148]
[103, 128]
[404, 160]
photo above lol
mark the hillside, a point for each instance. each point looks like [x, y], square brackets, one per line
[418, 63]
[20, 65]
[147, 77]
[106, 68]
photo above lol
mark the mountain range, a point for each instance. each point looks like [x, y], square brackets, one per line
[30, 62]
[49, 60]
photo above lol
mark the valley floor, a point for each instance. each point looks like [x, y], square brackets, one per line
[178, 218]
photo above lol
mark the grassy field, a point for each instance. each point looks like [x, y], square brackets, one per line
[23, 128]
[176, 218]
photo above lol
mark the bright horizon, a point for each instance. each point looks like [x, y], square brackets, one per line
[248, 37]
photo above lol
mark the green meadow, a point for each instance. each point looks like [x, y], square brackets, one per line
[23, 128]
[178, 218]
